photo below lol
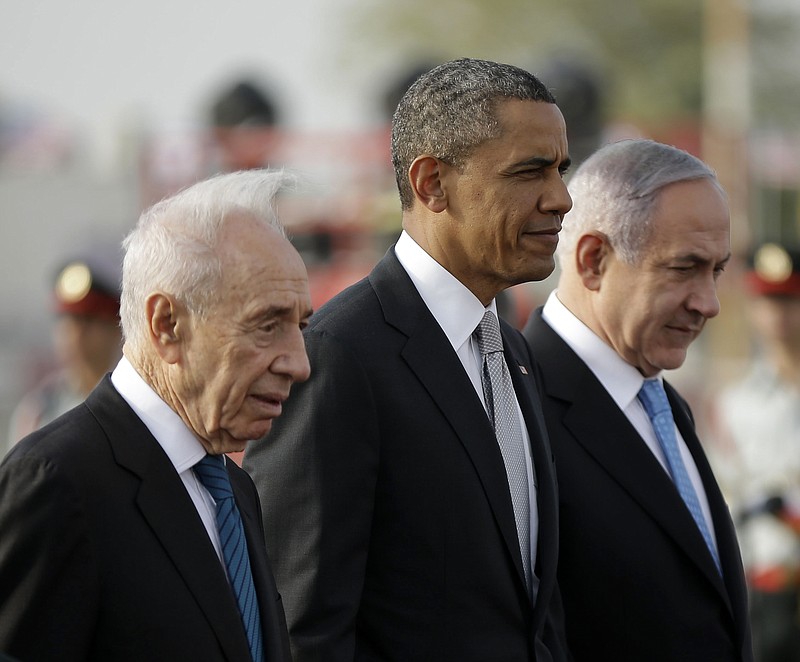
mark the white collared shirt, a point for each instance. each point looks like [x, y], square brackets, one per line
[622, 382]
[458, 312]
[179, 443]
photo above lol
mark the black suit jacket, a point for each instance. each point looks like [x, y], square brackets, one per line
[395, 536]
[636, 578]
[104, 557]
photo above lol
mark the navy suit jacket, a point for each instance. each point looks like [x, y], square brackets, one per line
[395, 538]
[103, 555]
[636, 577]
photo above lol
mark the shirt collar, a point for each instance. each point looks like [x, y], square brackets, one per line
[169, 430]
[622, 381]
[456, 309]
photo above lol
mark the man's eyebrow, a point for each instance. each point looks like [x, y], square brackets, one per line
[694, 258]
[273, 311]
[270, 312]
[542, 162]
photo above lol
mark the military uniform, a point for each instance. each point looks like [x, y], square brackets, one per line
[85, 290]
[759, 434]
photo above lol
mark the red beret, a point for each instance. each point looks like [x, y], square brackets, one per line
[774, 271]
[78, 291]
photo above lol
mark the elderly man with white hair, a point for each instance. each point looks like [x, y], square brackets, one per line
[124, 533]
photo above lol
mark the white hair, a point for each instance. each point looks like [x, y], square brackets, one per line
[173, 246]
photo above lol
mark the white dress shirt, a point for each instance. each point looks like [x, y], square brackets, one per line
[179, 443]
[622, 382]
[458, 312]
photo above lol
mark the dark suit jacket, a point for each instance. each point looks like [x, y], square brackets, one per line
[636, 578]
[395, 537]
[104, 557]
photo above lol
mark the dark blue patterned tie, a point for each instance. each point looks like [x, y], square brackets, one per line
[654, 399]
[212, 473]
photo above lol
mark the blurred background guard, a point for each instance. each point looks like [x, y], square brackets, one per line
[758, 422]
[87, 340]
[243, 116]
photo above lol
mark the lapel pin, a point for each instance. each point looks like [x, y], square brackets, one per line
[523, 370]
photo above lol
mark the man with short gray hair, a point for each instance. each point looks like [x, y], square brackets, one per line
[649, 565]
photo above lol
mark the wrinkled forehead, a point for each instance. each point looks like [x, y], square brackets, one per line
[250, 249]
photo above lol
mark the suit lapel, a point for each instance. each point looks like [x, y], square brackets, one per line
[430, 356]
[605, 433]
[170, 513]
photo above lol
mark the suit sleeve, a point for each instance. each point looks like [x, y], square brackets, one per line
[48, 588]
[316, 474]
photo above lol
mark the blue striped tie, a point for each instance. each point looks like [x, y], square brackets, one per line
[212, 473]
[654, 399]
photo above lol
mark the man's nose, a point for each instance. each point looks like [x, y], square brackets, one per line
[294, 360]
[704, 298]
[556, 199]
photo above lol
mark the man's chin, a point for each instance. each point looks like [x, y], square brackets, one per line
[257, 431]
[223, 447]
[238, 443]
[538, 267]
[672, 360]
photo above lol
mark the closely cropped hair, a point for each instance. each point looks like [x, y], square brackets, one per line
[451, 110]
[615, 191]
[172, 249]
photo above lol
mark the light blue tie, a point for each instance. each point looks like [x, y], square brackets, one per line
[498, 391]
[212, 473]
[654, 399]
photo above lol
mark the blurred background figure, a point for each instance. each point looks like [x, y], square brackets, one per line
[581, 93]
[758, 436]
[242, 118]
[86, 338]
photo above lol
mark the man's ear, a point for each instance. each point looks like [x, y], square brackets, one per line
[166, 326]
[425, 175]
[592, 254]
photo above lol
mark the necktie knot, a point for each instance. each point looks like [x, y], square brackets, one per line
[214, 476]
[654, 398]
[487, 334]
